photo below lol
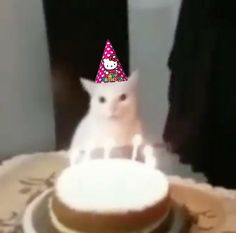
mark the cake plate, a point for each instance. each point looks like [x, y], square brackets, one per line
[200, 208]
[36, 217]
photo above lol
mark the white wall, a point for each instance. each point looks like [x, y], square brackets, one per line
[151, 30]
[26, 112]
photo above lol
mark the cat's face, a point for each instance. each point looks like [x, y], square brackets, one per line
[112, 101]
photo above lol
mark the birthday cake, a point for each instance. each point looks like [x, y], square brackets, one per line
[111, 195]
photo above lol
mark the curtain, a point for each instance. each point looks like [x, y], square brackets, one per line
[201, 126]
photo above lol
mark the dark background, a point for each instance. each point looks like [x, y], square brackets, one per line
[77, 32]
[201, 126]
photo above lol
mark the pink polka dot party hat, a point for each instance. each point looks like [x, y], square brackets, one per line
[110, 69]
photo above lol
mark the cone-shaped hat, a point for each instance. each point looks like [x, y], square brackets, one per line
[110, 69]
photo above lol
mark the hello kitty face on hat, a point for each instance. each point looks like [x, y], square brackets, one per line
[110, 64]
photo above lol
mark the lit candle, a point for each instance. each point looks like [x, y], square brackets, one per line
[149, 157]
[137, 141]
[109, 144]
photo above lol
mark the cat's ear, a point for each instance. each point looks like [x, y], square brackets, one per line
[134, 75]
[87, 85]
[133, 78]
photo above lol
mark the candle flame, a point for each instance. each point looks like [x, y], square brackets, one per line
[150, 159]
[137, 139]
[147, 150]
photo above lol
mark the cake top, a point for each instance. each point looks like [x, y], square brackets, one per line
[111, 185]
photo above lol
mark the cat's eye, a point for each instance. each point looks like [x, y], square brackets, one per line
[102, 99]
[123, 97]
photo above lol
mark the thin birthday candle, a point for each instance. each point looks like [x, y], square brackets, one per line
[137, 141]
[149, 157]
[109, 144]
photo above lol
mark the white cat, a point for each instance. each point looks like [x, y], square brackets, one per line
[112, 114]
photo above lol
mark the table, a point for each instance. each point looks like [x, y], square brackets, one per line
[24, 177]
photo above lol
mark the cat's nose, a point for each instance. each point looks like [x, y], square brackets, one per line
[112, 111]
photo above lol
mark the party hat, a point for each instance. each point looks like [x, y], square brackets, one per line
[110, 69]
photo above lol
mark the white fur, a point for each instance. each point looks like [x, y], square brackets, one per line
[113, 119]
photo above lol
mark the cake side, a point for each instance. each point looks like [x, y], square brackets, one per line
[90, 222]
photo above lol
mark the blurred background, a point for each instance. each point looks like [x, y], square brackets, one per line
[184, 50]
[47, 45]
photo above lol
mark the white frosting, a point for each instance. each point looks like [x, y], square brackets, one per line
[112, 185]
[62, 228]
